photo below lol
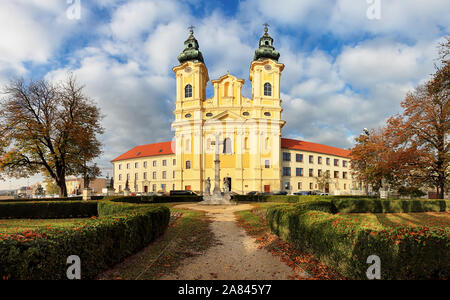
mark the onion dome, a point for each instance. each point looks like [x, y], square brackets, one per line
[266, 49]
[190, 52]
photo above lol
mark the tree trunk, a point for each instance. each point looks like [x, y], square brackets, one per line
[62, 188]
[441, 190]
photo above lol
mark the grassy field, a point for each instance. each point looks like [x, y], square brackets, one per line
[15, 226]
[380, 221]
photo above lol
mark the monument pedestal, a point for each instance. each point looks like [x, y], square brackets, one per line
[217, 199]
[110, 192]
[87, 194]
[126, 193]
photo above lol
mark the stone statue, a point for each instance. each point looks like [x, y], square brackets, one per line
[208, 187]
[86, 181]
[226, 187]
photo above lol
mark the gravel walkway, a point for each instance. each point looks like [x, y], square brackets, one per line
[236, 255]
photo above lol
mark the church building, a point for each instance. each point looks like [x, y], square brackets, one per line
[245, 133]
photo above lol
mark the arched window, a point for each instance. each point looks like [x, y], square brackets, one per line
[226, 89]
[188, 91]
[188, 164]
[227, 146]
[267, 144]
[187, 146]
[267, 89]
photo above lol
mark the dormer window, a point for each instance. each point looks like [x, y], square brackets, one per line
[188, 91]
[267, 89]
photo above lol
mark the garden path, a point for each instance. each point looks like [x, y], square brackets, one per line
[236, 255]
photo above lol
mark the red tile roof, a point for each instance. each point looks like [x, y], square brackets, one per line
[313, 147]
[164, 148]
[167, 148]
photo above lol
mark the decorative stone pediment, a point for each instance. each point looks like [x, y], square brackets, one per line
[227, 115]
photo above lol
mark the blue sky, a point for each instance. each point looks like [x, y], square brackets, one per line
[345, 70]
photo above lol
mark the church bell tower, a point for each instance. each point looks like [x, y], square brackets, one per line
[191, 80]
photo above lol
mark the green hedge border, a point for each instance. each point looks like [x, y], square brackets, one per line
[405, 252]
[390, 206]
[48, 210]
[103, 243]
[358, 204]
[77, 198]
[155, 199]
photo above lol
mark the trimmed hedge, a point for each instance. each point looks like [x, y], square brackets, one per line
[357, 204]
[100, 244]
[77, 198]
[157, 199]
[278, 198]
[389, 206]
[48, 210]
[325, 206]
[107, 208]
[405, 252]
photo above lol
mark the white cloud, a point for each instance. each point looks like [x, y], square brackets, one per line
[373, 61]
[135, 18]
[415, 19]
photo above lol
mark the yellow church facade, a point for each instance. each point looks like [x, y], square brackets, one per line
[245, 133]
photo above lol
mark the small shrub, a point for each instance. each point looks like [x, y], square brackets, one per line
[411, 192]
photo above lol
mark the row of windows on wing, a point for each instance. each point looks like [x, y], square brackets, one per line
[287, 186]
[299, 158]
[155, 164]
[299, 173]
[145, 177]
[267, 90]
[154, 188]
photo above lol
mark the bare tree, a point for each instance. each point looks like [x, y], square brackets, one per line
[49, 128]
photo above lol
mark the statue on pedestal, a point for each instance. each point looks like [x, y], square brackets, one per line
[226, 187]
[208, 187]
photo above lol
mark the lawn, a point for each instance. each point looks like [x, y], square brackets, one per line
[14, 226]
[380, 221]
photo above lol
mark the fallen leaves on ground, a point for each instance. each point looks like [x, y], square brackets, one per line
[295, 259]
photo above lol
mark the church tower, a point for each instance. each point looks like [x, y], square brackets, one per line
[265, 75]
[191, 80]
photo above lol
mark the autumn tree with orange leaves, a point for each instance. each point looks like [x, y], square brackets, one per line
[413, 148]
[48, 128]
